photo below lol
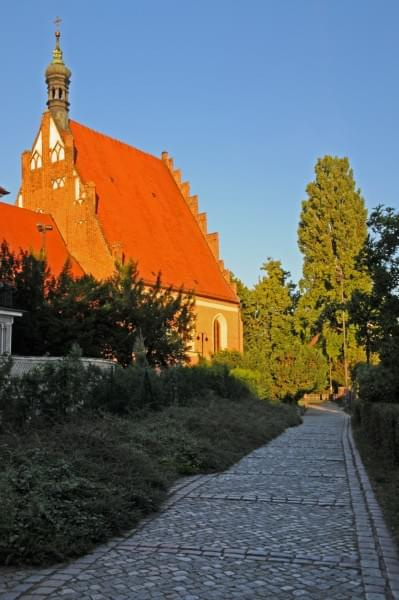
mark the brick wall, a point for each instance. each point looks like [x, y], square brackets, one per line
[51, 184]
[54, 187]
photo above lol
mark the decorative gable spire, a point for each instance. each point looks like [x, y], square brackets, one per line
[58, 79]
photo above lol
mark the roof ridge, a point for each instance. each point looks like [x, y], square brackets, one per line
[39, 214]
[114, 139]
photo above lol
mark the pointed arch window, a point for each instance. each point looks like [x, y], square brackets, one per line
[216, 336]
[36, 161]
[58, 183]
[219, 333]
[57, 153]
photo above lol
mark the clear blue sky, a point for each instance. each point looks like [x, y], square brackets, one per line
[245, 95]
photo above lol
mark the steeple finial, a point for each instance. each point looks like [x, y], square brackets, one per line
[57, 79]
[57, 52]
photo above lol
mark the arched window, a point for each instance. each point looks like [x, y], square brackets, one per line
[219, 333]
[57, 153]
[216, 336]
[36, 161]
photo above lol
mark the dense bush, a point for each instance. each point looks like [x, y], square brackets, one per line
[66, 387]
[84, 454]
[297, 370]
[62, 489]
[50, 391]
[380, 424]
[376, 383]
[244, 368]
[252, 379]
[65, 487]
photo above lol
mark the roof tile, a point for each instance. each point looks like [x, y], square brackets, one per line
[18, 226]
[141, 208]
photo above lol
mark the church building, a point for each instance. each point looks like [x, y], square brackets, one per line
[108, 201]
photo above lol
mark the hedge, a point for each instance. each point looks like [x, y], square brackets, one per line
[380, 423]
[54, 391]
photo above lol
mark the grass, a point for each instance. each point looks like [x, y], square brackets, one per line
[384, 476]
[69, 486]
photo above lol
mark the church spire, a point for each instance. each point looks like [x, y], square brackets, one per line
[57, 79]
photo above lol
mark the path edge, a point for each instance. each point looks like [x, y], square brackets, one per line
[386, 545]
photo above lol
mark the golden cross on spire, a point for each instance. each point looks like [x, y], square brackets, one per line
[57, 52]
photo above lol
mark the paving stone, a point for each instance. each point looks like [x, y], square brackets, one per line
[289, 521]
[33, 596]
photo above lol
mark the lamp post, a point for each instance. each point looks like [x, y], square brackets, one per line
[204, 338]
[43, 229]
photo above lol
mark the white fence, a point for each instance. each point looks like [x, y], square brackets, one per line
[24, 364]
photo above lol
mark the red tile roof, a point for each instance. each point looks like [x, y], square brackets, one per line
[141, 208]
[18, 226]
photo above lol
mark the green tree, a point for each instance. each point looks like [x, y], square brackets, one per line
[298, 369]
[288, 367]
[274, 308]
[332, 232]
[80, 312]
[104, 318]
[30, 283]
[376, 312]
[163, 318]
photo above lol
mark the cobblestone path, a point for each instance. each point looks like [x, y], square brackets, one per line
[294, 519]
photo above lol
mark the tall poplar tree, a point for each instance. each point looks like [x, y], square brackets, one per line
[332, 232]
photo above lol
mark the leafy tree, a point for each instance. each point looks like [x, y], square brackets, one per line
[274, 308]
[332, 232]
[288, 368]
[298, 369]
[164, 318]
[28, 277]
[376, 313]
[80, 312]
[103, 317]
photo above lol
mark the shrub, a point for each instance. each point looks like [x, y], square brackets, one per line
[126, 391]
[50, 391]
[65, 488]
[229, 358]
[252, 379]
[242, 367]
[356, 411]
[5, 367]
[86, 478]
[139, 387]
[58, 389]
[380, 423]
[376, 383]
